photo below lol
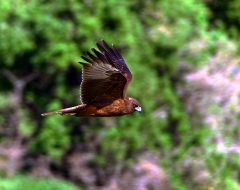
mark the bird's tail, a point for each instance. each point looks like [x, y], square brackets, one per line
[66, 111]
[51, 113]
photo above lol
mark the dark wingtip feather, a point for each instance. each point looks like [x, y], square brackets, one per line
[83, 63]
[100, 47]
[119, 55]
[86, 59]
[95, 51]
[105, 49]
[98, 54]
[91, 55]
[105, 44]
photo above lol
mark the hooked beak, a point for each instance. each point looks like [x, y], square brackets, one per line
[139, 109]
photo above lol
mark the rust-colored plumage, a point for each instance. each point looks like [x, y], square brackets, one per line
[105, 80]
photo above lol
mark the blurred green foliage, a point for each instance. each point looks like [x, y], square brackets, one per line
[47, 38]
[224, 15]
[21, 182]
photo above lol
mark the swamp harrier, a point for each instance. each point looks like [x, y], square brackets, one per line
[105, 80]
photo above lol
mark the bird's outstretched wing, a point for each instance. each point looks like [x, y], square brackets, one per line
[105, 77]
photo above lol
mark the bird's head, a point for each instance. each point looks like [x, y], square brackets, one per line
[135, 105]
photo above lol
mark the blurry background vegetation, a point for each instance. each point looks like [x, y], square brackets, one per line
[185, 64]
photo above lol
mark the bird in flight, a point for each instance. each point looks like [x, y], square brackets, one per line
[105, 79]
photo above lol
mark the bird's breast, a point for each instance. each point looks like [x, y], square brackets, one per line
[103, 109]
[116, 108]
